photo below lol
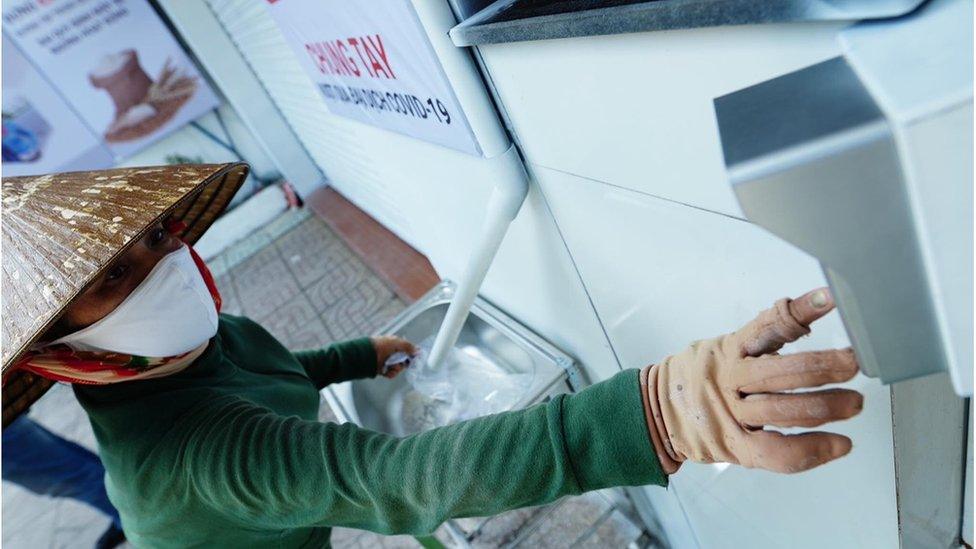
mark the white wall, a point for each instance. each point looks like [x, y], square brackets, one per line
[628, 246]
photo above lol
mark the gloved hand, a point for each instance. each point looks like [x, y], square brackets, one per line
[710, 402]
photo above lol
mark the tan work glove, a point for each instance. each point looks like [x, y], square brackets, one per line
[710, 402]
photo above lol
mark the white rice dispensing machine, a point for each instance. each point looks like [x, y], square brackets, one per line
[865, 161]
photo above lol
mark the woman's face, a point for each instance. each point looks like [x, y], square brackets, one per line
[117, 282]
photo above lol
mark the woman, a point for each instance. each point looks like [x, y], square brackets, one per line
[207, 424]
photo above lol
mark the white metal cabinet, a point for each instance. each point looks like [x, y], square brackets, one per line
[635, 110]
[662, 275]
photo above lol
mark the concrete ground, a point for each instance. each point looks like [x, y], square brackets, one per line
[304, 285]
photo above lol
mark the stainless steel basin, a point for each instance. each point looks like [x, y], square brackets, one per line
[499, 342]
[394, 407]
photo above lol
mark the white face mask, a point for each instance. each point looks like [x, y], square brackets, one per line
[169, 314]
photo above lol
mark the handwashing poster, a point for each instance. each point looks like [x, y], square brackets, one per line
[372, 62]
[41, 134]
[115, 64]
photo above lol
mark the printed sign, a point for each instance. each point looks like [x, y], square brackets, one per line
[115, 63]
[41, 134]
[372, 62]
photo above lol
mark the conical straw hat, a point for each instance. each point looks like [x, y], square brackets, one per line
[59, 232]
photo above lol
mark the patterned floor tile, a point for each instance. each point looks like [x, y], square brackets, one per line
[225, 284]
[339, 280]
[383, 316]
[217, 266]
[297, 325]
[616, 531]
[405, 269]
[567, 524]
[243, 250]
[230, 301]
[350, 316]
[285, 222]
[249, 269]
[502, 529]
[265, 286]
[313, 252]
[307, 234]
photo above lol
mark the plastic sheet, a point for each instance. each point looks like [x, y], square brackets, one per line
[468, 384]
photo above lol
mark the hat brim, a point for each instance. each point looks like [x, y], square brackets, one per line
[198, 208]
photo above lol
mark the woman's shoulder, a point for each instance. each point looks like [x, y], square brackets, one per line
[241, 331]
[250, 346]
[237, 323]
[147, 415]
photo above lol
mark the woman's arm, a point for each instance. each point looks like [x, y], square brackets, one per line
[354, 359]
[277, 472]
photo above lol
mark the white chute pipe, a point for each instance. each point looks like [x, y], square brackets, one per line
[506, 200]
[462, 71]
[510, 187]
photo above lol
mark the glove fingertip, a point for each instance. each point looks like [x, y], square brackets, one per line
[811, 306]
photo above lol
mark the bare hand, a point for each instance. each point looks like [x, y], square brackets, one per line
[385, 347]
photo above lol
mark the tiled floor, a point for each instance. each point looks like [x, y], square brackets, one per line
[300, 281]
[308, 289]
[409, 272]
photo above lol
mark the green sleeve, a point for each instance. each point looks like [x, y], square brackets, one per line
[271, 471]
[354, 359]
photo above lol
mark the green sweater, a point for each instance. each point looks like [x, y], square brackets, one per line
[228, 453]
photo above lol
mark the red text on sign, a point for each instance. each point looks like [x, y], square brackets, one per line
[356, 56]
